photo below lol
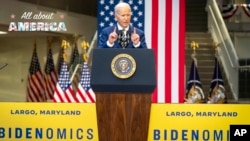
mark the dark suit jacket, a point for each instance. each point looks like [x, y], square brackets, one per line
[103, 38]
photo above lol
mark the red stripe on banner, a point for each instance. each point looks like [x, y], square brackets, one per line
[70, 94]
[169, 47]
[90, 97]
[154, 42]
[79, 95]
[182, 35]
[58, 94]
[35, 80]
[168, 51]
[66, 93]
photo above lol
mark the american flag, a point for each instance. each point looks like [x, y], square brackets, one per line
[64, 91]
[164, 24]
[50, 76]
[84, 91]
[35, 87]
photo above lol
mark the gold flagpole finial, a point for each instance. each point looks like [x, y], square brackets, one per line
[194, 45]
[85, 46]
[65, 45]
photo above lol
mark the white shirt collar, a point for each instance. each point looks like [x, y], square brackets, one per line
[120, 28]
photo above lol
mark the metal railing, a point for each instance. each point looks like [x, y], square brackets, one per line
[227, 53]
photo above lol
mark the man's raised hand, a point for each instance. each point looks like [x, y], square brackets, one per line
[113, 36]
[135, 37]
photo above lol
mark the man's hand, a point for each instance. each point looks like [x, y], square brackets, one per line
[135, 38]
[113, 36]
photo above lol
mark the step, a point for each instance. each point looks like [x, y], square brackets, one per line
[205, 55]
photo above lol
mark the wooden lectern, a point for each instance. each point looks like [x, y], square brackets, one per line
[123, 80]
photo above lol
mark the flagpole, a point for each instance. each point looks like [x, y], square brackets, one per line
[85, 46]
[91, 47]
[194, 45]
[216, 46]
[92, 42]
[77, 66]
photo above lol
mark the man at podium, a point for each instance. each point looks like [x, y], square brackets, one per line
[122, 34]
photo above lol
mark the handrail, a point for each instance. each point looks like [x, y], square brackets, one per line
[222, 29]
[243, 67]
[91, 48]
[221, 36]
[227, 53]
[233, 64]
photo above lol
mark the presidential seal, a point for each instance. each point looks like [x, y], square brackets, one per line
[123, 66]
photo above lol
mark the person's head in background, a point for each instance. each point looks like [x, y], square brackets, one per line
[123, 14]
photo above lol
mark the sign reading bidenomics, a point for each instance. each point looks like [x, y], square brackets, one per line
[48, 121]
[198, 122]
[168, 122]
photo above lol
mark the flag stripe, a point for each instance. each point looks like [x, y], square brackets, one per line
[34, 91]
[35, 86]
[175, 53]
[154, 43]
[80, 96]
[51, 80]
[84, 90]
[59, 95]
[91, 95]
[169, 47]
[64, 91]
[39, 84]
[182, 35]
[70, 94]
[168, 52]
[148, 25]
[50, 76]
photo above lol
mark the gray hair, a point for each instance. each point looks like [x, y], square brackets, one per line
[121, 4]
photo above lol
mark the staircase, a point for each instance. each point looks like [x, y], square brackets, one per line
[196, 16]
[196, 30]
[205, 60]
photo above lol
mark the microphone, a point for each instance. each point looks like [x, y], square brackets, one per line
[123, 38]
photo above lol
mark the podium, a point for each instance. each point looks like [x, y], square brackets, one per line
[123, 81]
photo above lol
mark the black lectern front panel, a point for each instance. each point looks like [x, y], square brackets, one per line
[142, 80]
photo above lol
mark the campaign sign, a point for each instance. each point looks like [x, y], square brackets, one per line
[48, 121]
[198, 122]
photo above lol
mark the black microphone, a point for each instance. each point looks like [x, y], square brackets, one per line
[123, 38]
